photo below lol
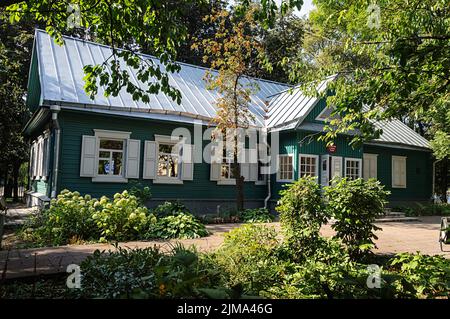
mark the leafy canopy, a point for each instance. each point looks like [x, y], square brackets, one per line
[393, 63]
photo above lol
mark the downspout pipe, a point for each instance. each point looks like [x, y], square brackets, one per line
[57, 130]
[269, 192]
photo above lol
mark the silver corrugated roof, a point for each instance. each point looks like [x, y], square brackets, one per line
[61, 75]
[288, 109]
[292, 105]
[397, 132]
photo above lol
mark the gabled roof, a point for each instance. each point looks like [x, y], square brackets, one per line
[288, 109]
[61, 77]
[292, 105]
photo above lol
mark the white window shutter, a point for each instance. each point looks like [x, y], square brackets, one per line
[245, 166]
[253, 165]
[187, 171]
[150, 160]
[215, 171]
[133, 156]
[40, 171]
[33, 160]
[88, 156]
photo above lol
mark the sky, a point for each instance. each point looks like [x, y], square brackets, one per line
[306, 8]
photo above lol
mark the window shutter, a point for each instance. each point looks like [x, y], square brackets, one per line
[150, 156]
[187, 171]
[133, 156]
[215, 171]
[216, 161]
[253, 166]
[40, 171]
[32, 160]
[88, 155]
[245, 166]
[46, 156]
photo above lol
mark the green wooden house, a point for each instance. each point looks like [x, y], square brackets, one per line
[102, 146]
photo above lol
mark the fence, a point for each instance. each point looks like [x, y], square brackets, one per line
[8, 192]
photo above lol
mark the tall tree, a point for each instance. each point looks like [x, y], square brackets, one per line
[392, 61]
[15, 55]
[231, 52]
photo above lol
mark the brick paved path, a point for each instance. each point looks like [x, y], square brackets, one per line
[395, 237]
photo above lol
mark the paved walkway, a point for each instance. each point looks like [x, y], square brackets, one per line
[395, 237]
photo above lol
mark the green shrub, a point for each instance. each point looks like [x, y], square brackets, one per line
[442, 209]
[142, 194]
[123, 218]
[248, 257]
[355, 204]
[256, 215]
[424, 276]
[68, 219]
[146, 273]
[302, 213]
[181, 226]
[170, 209]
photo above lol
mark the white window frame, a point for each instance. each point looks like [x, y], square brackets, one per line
[370, 156]
[403, 159]
[165, 139]
[279, 179]
[112, 135]
[352, 159]
[316, 157]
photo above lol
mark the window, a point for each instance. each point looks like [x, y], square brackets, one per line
[168, 161]
[106, 156]
[352, 168]
[398, 171]
[110, 157]
[285, 168]
[309, 165]
[325, 115]
[226, 168]
[39, 157]
[370, 166]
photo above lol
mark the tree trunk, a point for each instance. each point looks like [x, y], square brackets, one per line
[239, 185]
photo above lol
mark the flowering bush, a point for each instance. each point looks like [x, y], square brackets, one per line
[74, 218]
[122, 218]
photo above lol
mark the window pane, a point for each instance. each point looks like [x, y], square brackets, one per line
[111, 144]
[116, 163]
[225, 171]
[104, 154]
[103, 167]
[173, 166]
[167, 148]
[162, 168]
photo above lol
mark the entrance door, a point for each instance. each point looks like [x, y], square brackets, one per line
[336, 166]
[325, 170]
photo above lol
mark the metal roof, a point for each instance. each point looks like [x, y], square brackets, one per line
[288, 109]
[397, 132]
[61, 76]
[293, 105]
